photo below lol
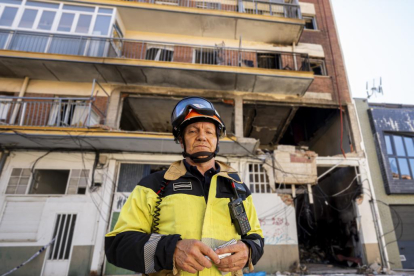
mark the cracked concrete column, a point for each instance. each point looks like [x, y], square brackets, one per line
[238, 116]
[113, 107]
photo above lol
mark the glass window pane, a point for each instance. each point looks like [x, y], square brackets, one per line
[102, 25]
[412, 164]
[105, 10]
[28, 19]
[13, 180]
[394, 169]
[26, 172]
[11, 189]
[399, 147]
[78, 8]
[405, 172]
[257, 188]
[46, 20]
[66, 21]
[83, 23]
[73, 182]
[21, 190]
[75, 173]
[42, 5]
[24, 181]
[7, 17]
[409, 146]
[16, 172]
[388, 144]
[252, 188]
[15, 2]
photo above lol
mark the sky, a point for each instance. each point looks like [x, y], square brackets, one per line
[377, 40]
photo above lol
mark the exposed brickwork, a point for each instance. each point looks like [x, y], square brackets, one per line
[321, 84]
[328, 38]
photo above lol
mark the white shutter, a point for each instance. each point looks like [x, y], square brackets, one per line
[21, 220]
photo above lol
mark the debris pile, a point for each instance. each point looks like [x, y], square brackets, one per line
[314, 255]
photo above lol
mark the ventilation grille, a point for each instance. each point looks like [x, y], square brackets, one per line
[65, 225]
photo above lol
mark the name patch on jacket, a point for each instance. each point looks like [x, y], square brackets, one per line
[182, 186]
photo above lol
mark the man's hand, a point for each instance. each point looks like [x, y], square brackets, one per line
[236, 261]
[190, 256]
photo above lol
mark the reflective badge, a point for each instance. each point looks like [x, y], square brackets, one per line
[182, 186]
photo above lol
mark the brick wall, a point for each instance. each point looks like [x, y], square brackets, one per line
[328, 38]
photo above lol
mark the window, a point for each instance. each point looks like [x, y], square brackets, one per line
[258, 179]
[400, 151]
[269, 61]
[131, 174]
[7, 18]
[47, 182]
[318, 67]
[159, 54]
[55, 17]
[63, 232]
[78, 182]
[208, 5]
[18, 182]
[310, 23]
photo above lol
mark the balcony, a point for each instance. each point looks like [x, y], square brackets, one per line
[79, 58]
[51, 123]
[265, 21]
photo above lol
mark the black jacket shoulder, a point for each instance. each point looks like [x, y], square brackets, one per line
[153, 181]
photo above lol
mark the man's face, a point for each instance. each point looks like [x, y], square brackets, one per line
[200, 136]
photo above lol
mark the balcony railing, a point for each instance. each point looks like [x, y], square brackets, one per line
[53, 112]
[218, 55]
[277, 8]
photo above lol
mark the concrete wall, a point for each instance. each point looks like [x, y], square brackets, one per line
[378, 183]
[10, 257]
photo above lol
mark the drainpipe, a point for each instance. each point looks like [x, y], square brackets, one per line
[5, 154]
[294, 56]
[17, 105]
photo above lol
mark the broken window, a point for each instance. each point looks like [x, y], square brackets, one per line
[318, 67]
[400, 151]
[310, 23]
[49, 182]
[64, 228]
[269, 61]
[258, 179]
[159, 53]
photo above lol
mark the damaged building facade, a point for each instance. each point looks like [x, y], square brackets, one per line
[387, 131]
[86, 94]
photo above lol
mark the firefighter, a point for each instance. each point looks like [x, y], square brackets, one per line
[174, 219]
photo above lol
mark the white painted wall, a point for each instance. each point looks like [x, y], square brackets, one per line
[278, 221]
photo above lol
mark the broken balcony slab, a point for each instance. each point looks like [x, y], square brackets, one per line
[54, 138]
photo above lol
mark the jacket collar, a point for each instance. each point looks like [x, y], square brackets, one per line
[177, 170]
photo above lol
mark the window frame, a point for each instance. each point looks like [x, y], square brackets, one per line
[31, 179]
[262, 171]
[395, 156]
[321, 63]
[59, 12]
[313, 21]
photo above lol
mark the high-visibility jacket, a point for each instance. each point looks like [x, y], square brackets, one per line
[184, 214]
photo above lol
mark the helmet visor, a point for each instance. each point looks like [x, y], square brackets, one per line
[201, 105]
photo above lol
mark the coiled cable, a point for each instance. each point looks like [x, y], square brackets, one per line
[157, 209]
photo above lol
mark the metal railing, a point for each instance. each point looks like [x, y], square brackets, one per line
[218, 55]
[277, 8]
[71, 112]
